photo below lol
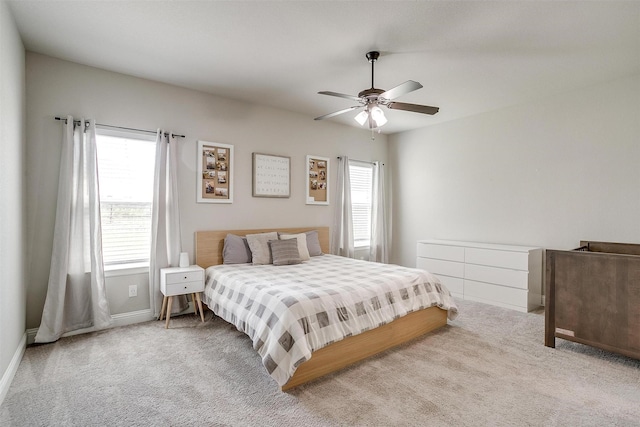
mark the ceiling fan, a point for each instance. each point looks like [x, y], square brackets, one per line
[371, 100]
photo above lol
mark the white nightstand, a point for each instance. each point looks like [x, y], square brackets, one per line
[181, 281]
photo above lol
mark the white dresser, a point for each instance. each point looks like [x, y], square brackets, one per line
[503, 275]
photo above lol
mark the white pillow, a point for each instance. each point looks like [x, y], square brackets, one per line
[302, 244]
[259, 245]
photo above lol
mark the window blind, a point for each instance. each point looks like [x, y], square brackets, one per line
[125, 174]
[361, 175]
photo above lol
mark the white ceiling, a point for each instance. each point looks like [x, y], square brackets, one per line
[470, 57]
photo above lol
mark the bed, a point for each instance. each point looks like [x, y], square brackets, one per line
[297, 344]
[593, 296]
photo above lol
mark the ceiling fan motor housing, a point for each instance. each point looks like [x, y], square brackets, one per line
[371, 95]
[373, 56]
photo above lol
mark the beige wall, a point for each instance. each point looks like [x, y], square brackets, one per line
[12, 206]
[57, 87]
[548, 173]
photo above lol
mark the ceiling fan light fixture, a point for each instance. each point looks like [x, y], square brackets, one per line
[377, 115]
[374, 116]
[362, 118]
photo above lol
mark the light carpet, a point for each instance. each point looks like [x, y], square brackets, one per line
[488, 367]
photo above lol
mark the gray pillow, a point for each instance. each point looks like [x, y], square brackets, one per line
[236, 250]
[302, 244]
[285, 252]
[258, 243]
[313, 243]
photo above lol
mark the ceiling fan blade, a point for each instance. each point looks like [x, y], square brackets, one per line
[346, 110]
[341, 95]
[424, 109]
[401, 89]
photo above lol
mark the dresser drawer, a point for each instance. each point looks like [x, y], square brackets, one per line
[445, 252]
[498, 276]
[454, 284]
[186, 276]
[497, 258]
[485, 292]
[183, 288]
[436, 266]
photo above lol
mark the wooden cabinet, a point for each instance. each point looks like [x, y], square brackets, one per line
[504, 275]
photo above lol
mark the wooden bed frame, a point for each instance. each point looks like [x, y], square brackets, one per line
[350, 350]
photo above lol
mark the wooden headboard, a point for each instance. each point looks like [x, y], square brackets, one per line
[209, 244]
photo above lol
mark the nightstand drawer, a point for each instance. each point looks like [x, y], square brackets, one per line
[183, 288]
[184, 276]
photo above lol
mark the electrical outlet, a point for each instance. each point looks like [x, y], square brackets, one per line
[133, 291]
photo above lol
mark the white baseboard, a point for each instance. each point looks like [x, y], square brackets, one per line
[132, 317]
[8, 375]
[121, 319]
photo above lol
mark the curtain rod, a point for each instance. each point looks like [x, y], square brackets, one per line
[120, 127]
[364, 161]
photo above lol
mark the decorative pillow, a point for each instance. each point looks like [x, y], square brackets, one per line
[258, 243]
[313, 243]
[302, 244]
[236, 250]
[285, 252]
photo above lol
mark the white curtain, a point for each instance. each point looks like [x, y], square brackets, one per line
[76, 296]
[379, 249]
[342, 230]
[165, 220]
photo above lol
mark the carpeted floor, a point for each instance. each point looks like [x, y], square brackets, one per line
[489, 367]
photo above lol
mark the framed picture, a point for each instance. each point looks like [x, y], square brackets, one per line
[271, 175]
[215, 173]
[317, 180]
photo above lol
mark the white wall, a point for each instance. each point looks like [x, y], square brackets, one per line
[56, 87]
[12, 206]
[549, 173]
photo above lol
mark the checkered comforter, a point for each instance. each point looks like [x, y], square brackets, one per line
[291, 311]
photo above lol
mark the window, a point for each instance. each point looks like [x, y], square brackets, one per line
[361, 176]
[126, 164]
